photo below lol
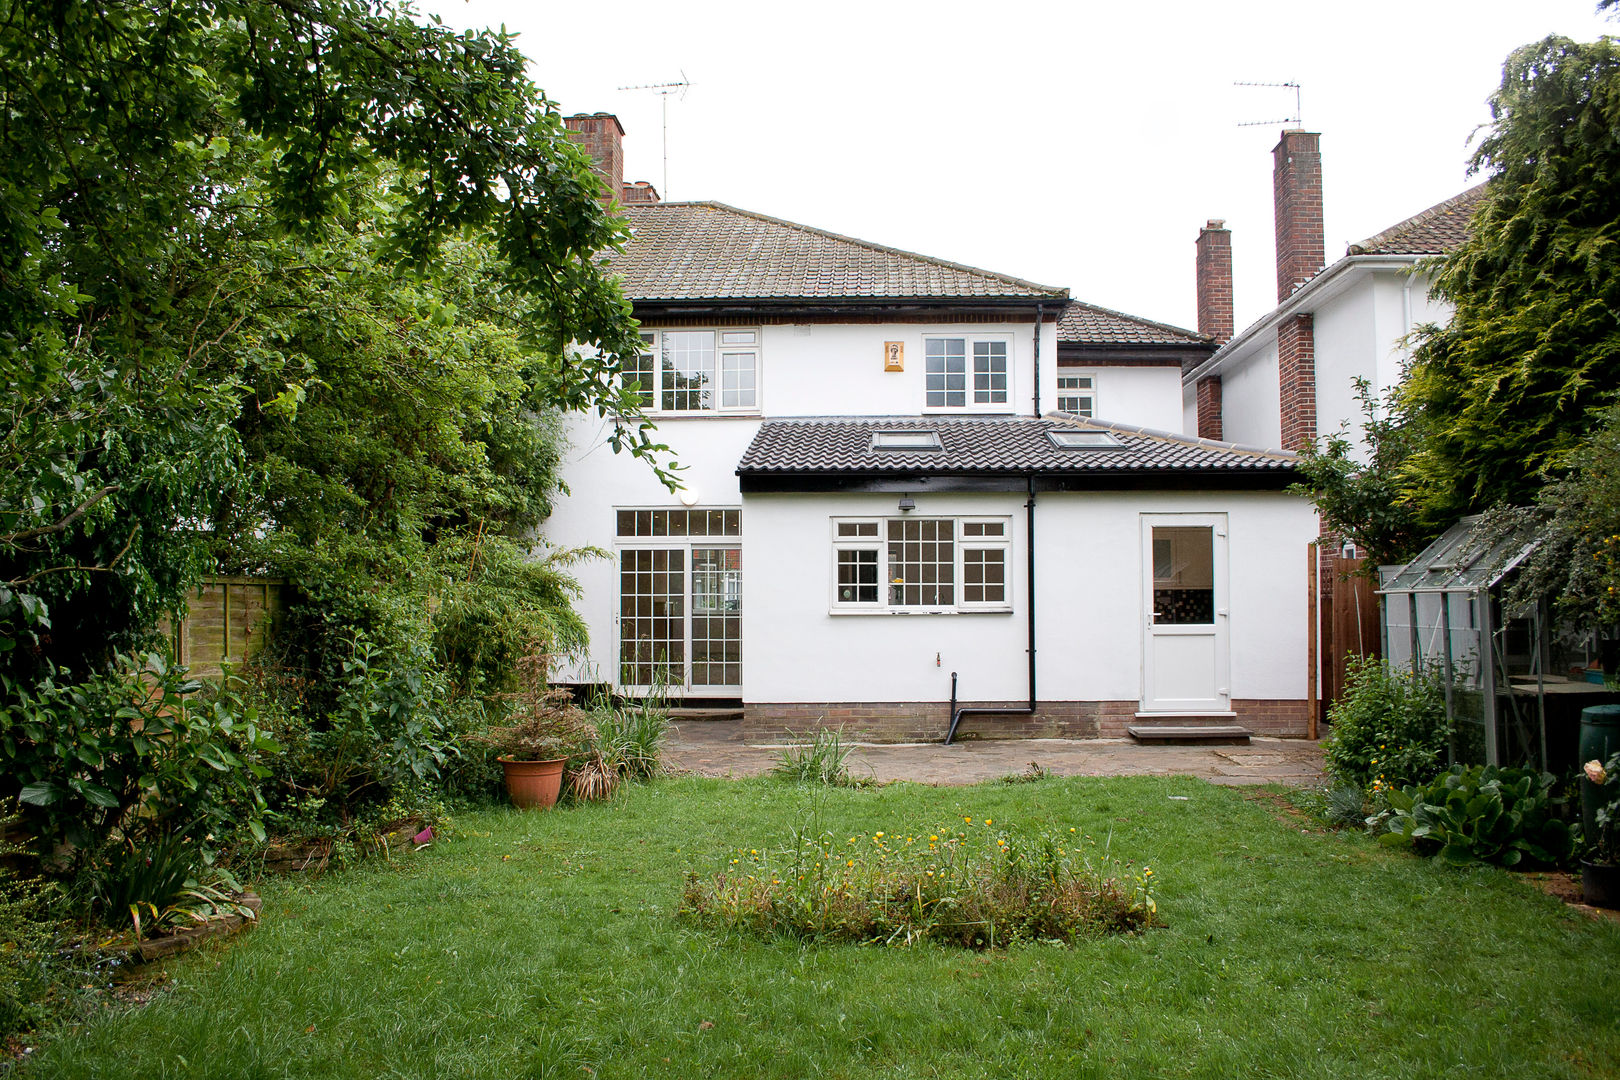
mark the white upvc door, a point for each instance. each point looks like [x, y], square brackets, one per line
[1186, 657]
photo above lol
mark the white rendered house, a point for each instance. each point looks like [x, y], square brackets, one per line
[891, 500]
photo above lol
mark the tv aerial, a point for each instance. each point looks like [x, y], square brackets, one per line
[1296, 119]
[664, 90]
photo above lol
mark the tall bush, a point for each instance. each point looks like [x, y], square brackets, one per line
[1389, 729]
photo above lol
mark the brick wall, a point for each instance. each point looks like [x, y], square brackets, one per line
[639, 192]
[1209, 408]
[927, 721]
[1296, 178]
[1296, 380]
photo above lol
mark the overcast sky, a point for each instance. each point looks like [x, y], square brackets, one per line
[1075, 144]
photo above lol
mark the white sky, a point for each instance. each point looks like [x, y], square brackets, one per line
[1075, 144]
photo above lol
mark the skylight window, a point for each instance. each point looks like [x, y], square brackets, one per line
[1083, 440]
[906, 440]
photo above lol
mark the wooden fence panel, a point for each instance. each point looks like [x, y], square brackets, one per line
[228, 620]
[1350, 625]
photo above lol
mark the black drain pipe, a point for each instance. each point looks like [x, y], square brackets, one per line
[1029, 586]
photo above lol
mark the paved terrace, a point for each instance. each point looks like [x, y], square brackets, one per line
[716, 748]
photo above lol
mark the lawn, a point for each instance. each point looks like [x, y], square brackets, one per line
[544, 944]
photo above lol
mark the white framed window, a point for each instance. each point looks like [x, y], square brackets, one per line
[697, 371]
[1077, 393]
[967, 372]
[680, 599]
[921, 564]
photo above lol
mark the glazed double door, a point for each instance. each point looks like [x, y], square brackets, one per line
[680, 619]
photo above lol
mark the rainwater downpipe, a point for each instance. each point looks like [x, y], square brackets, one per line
[957, 712]
[1040, 311]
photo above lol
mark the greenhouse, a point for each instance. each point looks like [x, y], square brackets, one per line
[1516, 680]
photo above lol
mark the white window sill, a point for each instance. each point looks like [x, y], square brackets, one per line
[1005, 609]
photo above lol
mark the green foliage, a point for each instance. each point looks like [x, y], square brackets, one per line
[1507, 390]
[1359, 493]
[1389, 728]
[143, 751]
[156, 882]
[822, 760]
[967, 885]
[28, 967]
[1481, 813]
[1603, 844]
[630, 737]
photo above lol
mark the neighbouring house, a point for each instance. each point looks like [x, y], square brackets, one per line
[892, 499]
[1292, 375]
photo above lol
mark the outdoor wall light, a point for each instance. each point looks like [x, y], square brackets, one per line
[689, 497]
[907, 503]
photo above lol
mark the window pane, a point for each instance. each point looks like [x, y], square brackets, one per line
[922, 573]
[857, 577]
[652, 624]
[989, 372]
[642, 369]
[688, 370]
[737, 380]
[945, 372]
[984, 576]
[1183, 575]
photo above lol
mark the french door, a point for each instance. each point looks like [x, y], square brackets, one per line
[680, 601]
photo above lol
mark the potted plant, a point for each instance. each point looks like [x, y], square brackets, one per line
[545, 728]
[1600, 868]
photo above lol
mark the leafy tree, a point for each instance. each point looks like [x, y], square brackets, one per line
[157, 162]
[1507, 390]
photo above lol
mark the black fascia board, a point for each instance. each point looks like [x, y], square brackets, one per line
[1045, 481]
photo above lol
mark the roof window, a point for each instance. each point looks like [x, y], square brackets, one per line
[906, 440]
[1083, 440]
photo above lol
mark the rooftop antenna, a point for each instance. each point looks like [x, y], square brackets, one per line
[663, 90]
[1298, 112]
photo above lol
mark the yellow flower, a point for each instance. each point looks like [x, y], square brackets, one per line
[987, 821]
[877, 836]
[1595, 772]
[932, 839]
[851, 862]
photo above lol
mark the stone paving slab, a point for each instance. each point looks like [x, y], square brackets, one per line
[716, 748]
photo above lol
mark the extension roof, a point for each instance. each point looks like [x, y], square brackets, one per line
[818, 452]
[1435, 231]
[1088, 324]
[708, 251]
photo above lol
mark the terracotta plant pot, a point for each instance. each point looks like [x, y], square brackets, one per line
[533, 783]
[1600, 884]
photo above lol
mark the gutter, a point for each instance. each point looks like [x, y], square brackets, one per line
[1303, 302]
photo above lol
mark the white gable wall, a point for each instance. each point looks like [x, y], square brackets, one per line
[1141, 396]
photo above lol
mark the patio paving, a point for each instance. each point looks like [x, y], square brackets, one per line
[716, 748]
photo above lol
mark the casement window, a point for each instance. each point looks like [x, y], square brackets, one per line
[920, 564]
[1077, 393]
[697, 371]
[966, 372]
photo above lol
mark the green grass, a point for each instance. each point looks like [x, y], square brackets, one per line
[544, 944]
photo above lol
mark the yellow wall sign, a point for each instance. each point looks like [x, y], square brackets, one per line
[894, 356]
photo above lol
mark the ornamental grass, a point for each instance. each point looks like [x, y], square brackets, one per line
[969, 884]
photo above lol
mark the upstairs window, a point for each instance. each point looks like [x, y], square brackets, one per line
[1077, 393]
[697, 371]
[964, 372]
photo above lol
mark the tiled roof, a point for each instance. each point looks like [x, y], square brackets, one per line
[1434, 232]
[988, 444]
[1088, 324]
[710, 251]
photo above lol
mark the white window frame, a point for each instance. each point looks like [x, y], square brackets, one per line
[727, 356]
[877, 541]
[1089, 392]
[973, 399]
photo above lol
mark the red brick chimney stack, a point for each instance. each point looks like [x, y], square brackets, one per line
[1297, 188]
[639, 192]
[1214, 269]
[603, 138]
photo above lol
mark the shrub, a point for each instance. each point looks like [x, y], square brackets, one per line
[970, 885]
[819, 761]
[1389, 730]
[28, 967]
[631, 737]
[1482, 813]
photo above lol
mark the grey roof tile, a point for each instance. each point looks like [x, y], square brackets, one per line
[1435, 231]
[1088, 324]
[990, 445]
[710, 251]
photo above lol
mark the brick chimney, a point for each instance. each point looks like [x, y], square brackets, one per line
[603, 138]
[639, 192]
[1296, 179]
[1214, 273]
[1215, 281]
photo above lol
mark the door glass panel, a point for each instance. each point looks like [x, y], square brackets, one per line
[1183, 575]
[716, 617]
[652, 617]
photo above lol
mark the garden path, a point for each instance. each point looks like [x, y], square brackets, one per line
[716, 748]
